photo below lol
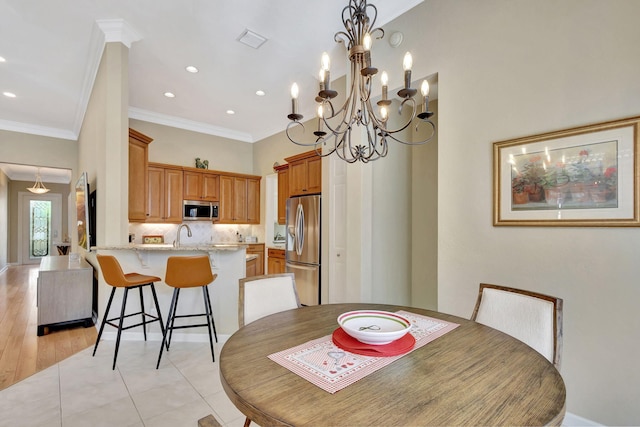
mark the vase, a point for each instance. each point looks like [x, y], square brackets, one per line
[535, 194]
[579, 192]
[555, 195]
[520, 198]
[598, 194]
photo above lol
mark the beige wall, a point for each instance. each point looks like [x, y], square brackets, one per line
[508, 69]
[181, 147]
[4, 219]
[37, 150]
[104, 146]
[424, 218]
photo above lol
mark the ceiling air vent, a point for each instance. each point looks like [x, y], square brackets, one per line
[251, 39]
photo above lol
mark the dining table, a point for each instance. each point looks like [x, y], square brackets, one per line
[471, 375]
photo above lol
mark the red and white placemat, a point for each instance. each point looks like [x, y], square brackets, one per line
[331, 368]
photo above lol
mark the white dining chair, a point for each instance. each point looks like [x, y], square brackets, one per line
[531, 317]
[261, 296]
[264, 295]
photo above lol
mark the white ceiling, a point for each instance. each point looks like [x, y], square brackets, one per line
[52, 51]
[52, 55]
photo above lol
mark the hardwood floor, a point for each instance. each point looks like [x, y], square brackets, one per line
[22, 352]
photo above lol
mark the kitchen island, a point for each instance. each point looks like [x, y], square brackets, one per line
[228, 261]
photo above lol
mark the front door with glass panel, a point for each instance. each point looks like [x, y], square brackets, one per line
[40, 226]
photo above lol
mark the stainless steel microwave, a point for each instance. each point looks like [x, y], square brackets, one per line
[195, 210]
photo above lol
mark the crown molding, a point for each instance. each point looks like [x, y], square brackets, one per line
[38, 130]
[105, 31]
[176, 122]
[118, 30]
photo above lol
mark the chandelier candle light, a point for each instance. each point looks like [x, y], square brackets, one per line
[357, 109]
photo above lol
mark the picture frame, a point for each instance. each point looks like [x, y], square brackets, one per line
[585, 176]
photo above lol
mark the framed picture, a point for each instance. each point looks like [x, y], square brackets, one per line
[581, 177]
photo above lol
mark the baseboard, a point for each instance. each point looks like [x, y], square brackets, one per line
[572, 420]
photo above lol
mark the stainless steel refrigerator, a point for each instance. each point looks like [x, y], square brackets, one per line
[303, 246]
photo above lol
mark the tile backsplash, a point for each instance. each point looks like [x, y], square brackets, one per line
[202, 232]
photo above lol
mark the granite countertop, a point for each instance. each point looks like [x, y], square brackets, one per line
[170, 247]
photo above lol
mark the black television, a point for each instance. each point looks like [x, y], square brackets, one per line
[82, 211]
[92, 218]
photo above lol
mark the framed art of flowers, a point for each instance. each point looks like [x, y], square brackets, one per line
[580, 177]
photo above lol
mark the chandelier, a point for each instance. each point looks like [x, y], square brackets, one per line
[335, 125]
[38, 186]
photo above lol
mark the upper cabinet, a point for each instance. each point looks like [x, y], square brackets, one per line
[305, 174]
[239, 199]
[157, 191]
[199, 185]
[138, 181]
[283, 192]
[165, 193]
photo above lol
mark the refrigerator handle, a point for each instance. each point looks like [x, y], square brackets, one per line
[302, 267]
[299, 237]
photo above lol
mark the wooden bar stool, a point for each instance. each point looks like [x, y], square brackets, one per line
[188, 272]
[115, 277]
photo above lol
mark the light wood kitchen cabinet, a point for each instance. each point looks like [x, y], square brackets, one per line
[283, 192]
[253, 201]
[276, 261]
[257, 249]
[239, 200]
[138, 180]
[251, 268]
[201, 186]
[165, 193]
[305, 174]
[65, 292]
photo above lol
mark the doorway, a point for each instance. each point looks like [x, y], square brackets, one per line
[39, 226]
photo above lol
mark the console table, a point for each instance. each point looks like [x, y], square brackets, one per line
[65, 292]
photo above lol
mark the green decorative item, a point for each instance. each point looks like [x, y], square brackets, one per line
[202, 164]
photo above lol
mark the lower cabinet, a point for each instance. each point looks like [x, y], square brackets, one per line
[276, 261]
[65, 292]
[251, 268]
[256, 249]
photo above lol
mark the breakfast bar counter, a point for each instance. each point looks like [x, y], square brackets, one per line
[228, 261]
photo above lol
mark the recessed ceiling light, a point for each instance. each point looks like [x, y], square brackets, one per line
[230, 112]
[9, 94]
[169, 95]
[260, 92]
[2, 59]
[191, 69]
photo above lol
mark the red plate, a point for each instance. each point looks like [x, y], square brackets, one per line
[352, 345]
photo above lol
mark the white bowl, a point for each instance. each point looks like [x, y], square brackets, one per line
[374, 326]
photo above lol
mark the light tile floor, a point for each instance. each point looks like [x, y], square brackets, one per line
[83, 390]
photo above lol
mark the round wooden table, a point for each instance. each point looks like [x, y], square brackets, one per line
[473, 375]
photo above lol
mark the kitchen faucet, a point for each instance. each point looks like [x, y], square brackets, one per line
[176, 243]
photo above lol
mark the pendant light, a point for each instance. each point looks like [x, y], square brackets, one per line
[38, 186]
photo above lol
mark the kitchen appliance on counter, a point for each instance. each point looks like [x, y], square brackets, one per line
[196, 210]
[302, 248]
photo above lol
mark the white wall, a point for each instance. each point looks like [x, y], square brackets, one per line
[515, 68]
